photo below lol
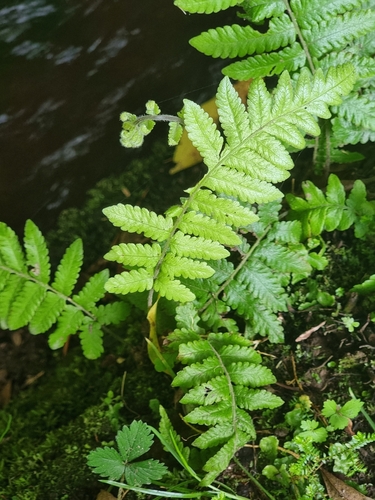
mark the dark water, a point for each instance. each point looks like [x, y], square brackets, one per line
[68, 68]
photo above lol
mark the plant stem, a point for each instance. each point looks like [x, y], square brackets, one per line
[253, 480]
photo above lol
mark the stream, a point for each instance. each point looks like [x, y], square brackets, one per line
[68, 69]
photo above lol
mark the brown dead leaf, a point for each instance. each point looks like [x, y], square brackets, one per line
[105, 495]
[307, 333]
[338, 490]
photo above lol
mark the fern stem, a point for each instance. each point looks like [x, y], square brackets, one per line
[64, 297]
[300, 36]
[230, 387]
[245, 258]
[253, 480]
[159, 118]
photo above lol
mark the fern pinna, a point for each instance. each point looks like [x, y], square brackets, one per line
[297, 34]
[243, 163]
[28, 298]
[222, 379]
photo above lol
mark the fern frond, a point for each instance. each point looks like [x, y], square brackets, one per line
[172, 289]
[27, 298]
[290, 59]
[205, 6]
[358, 110]
[347, 133]
[238, 41]
[319, 8]
[218, 370]
[206, 227]
[185, 267]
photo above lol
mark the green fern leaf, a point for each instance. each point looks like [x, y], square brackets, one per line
[11, 253]
[202, 132]
[265, 323]
[290, 59]
[91, 339]
[172, 289]
[93, 290]
[255, 399]
[188, 268]
[224, 210]
[285, 260]
[226, 180]
[319, 8]
[359, 110]
[216, 435]
[136, 280]
[325, 35]
[259, 10]
[197, 373]
[205, 6]
[263, 284]
[238, 41]
[286, 232]
[135, 254]
[68, 324]
[139, 220]
[220, 461]
[47, 313]
[197, 247]
[25, 304]
[37, 256]
[13, 286]
[220, 412]
[347, 133]
[208, 228]
[250, 374]
[208, 393]
[113, 313]
[68, 270]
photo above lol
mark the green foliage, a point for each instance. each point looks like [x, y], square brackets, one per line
[339, 417]
[223, 374]
[304, 33]
[30, 297]
[133, 441]
[320, 212]
[242, 162]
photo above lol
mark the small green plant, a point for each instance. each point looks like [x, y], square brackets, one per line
[133, 441]
[28, 297]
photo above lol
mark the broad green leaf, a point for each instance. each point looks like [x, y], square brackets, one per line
[368, 286]
[254, 399]
[144, 472]
[107, 462]
[134, 440]
[250, 374]
[167, 431]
